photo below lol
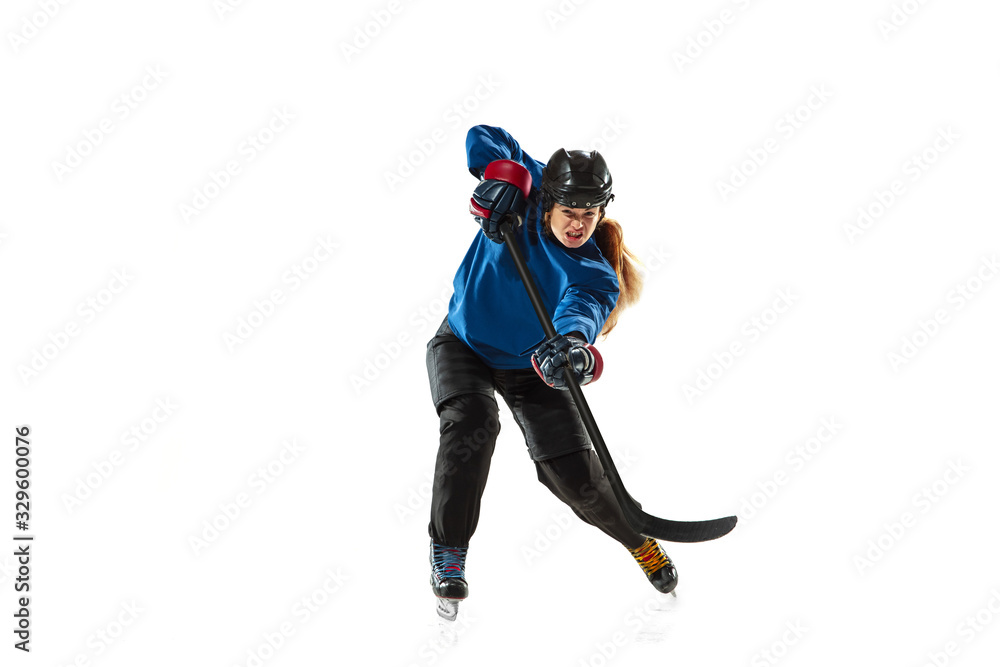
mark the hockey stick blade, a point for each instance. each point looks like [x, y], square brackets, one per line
[646, 524]
[678, 531]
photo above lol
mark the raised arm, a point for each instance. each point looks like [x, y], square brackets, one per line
[485, 144]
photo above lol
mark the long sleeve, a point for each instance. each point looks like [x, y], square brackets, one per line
[585, 308]
[484, 144]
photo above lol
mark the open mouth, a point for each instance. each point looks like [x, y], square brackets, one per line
[576, 236]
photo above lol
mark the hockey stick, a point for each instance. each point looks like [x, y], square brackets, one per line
[641, 522]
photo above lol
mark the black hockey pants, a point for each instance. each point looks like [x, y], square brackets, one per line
[463, 390]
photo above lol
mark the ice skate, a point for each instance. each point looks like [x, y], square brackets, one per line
[448, 578]
[656, 565]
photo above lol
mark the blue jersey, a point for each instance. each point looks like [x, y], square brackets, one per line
[490, 310]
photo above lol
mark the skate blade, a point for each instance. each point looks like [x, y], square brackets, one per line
[447, 608]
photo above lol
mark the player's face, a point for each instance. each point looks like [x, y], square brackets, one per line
[573, 226]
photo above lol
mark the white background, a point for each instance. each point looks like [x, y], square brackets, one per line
[354, 501]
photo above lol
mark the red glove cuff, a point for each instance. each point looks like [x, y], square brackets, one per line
[511, 172]
[598, 362]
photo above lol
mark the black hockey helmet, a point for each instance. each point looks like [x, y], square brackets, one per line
[578, 179]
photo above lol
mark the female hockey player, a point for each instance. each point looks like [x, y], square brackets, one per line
[491, 341]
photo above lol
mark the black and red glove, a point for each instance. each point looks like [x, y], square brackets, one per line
[550, 360]
[502, 193]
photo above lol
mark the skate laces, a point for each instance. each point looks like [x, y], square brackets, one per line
[448, 562]
[650, 556]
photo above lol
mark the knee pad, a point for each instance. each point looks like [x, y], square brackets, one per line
[476, 413]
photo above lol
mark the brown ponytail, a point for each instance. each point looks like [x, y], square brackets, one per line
[609, 239]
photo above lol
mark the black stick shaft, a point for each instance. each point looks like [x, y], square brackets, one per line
[574, 388]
